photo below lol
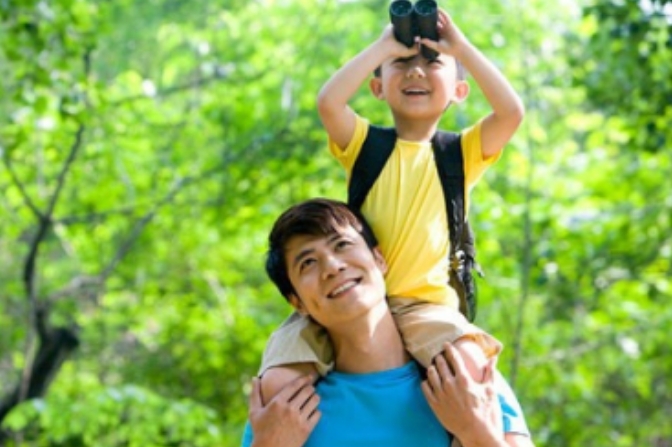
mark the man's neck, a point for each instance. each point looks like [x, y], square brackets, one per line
[370, 345]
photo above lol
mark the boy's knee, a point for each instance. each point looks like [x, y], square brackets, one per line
[274, 379]
[473, 356]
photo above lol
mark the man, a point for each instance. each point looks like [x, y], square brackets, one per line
[323, 258]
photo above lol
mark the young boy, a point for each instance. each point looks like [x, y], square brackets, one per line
[405, 207]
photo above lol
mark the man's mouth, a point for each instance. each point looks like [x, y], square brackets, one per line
[343, 288]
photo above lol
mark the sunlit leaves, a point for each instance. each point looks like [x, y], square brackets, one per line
[100, 417]
[200, 127]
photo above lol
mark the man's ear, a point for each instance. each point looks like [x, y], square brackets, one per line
[461, 91]
[376, 86]
[380, 260]
[297, 304]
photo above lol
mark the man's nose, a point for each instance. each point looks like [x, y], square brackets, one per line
[331, 265]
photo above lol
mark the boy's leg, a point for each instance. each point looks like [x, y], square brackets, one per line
[425, 327]
[298, 347]
[473, 356]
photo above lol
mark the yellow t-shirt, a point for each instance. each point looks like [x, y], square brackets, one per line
[406, 211]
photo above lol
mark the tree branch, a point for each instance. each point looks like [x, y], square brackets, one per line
[22, 189]
[199, 82]
[45, 219]
[29, 270]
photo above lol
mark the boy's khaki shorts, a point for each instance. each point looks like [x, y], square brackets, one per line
[424, 327]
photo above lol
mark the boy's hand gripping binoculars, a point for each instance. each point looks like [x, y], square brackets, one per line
[409, 20]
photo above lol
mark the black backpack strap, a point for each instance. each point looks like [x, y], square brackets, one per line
[447, 147]
[462, 258]
[375, 151]
[450, 166]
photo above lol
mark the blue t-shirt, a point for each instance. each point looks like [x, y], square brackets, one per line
[382, 408]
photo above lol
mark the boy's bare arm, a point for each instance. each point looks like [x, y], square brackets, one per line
[507, 107]
[332, 101]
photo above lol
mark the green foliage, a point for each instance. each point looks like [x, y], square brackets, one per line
[198, 126]
[101, 418]
[622, 56]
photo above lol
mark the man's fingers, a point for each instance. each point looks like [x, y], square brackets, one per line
[428, 392]
[443, 368]
[303, 397]
[313, 419]
[434, 379]
[455, 361]
[310, 405]
[290, 390]
[255, 396]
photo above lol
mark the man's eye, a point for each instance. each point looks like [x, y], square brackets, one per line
[343, 243]
[306, 263]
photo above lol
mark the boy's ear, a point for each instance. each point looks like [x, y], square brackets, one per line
[461, 91]
[376, 86]
[297, 304]
[380, 260]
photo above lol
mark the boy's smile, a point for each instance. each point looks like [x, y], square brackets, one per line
[417, 88]
[415, 91]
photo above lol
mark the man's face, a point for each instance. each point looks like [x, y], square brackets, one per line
[337, 278]
[418, 88]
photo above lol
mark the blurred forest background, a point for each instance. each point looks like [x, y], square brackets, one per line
[147, 146]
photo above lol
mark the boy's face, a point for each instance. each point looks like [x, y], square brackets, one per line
[337, 278]
[416, 88]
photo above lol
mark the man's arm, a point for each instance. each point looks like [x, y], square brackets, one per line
[507, 107]
[466, 408]
[332, 101]
[288, 419]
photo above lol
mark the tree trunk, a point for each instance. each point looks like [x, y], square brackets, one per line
[56, 345]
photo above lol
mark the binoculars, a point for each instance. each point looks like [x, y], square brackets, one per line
[409, 20]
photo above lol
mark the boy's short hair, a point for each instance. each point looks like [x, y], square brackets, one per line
[461, 72]
[314, 217]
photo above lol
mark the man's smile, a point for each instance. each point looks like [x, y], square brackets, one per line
[343, 288]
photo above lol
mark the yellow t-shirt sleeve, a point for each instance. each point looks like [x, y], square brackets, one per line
[474, 163]
[347, 157]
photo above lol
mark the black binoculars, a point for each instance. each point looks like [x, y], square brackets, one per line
[409, 20]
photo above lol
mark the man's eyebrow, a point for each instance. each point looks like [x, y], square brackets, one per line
[303, 253]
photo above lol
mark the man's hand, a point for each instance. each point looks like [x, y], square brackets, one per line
[288, 419]
[467, 409]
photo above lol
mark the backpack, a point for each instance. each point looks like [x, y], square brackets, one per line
[447, 147]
